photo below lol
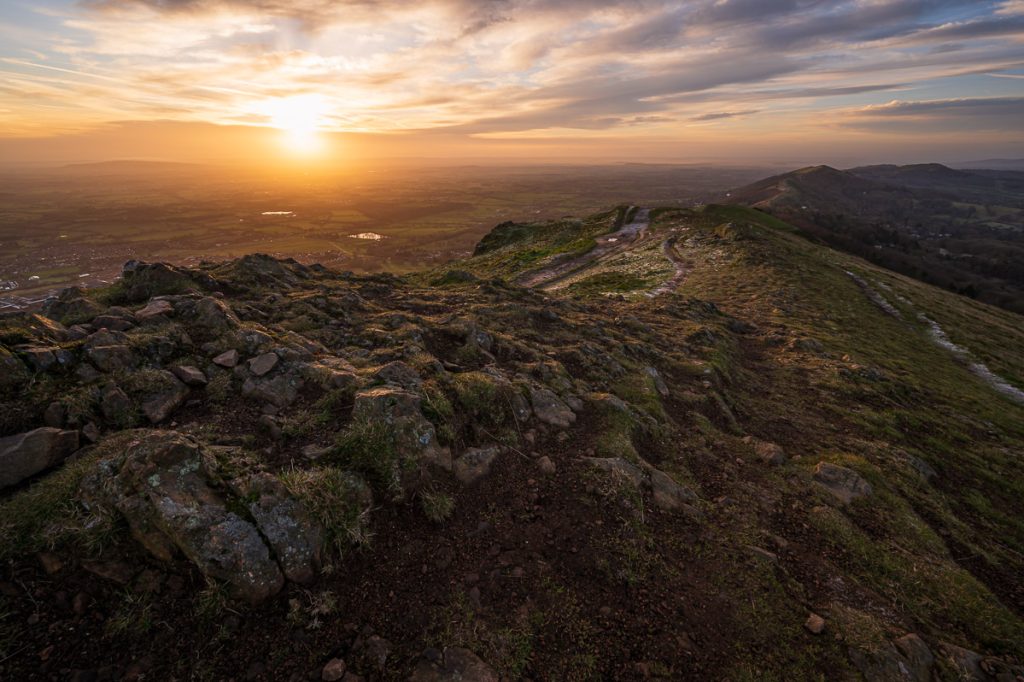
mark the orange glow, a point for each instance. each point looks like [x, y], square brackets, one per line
[300, 119]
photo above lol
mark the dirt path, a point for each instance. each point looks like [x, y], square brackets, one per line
[670, 285]
[620, 240]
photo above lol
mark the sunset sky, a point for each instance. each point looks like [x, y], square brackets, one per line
[738, 80]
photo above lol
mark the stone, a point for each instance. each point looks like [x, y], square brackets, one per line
[907, 658]
[189, 375]
[667, 493]
[333, 670]
[71, 306]
[91, 432]
[399, 374]
[659, 383]
[155, 310]
[161, 486]
[50, 562]
[456, 664]
[13, 372]
[550, 409]
[27, 454]
[111, 358]
[261, 364]
[56, 415]
[546, 466]
[814, 624]
[769, 453]
[115, 405]
[40, 359]
[845, 485]
[228, 359]
[112, 322]
[142, 281]
[619, 467]
[213, 317]
[281, 390]
[475, 463]
[167, 395]
[414, 436]
[115, 571]
[287, 527]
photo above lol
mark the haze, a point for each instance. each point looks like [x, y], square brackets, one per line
[317, 81]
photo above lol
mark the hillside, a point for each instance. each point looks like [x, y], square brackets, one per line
[644, 444]
[961, 230]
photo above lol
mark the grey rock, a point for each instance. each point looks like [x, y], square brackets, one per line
[550, 409]
[280, 390]
[546, 466]
[659, 383]
[475, 463]
[262, 364]
[667, 493]
[288, 528]
[769, 453]
[27, 454]
[56, 415]
[844, 484]
[399, 374]
[189, 375]
[213, 317]
[112, 322]
[12, 371]
[908, 658]
[40, 359]
[71, 306]
[156, 310]
[115, 405]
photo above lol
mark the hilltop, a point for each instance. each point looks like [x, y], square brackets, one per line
[643, 444]
[961, 230]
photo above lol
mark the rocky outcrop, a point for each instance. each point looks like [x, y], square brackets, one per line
[475, 463]
[161, 485]
[666, 493]
[414, 437]
[550, 409]
[26, 454]
[164, 395]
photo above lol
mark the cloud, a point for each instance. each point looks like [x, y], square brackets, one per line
[930, 116]
[721, 115]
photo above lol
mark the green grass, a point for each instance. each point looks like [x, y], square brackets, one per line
[337, 500]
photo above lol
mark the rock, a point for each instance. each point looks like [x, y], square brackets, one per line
[475, 463]
[213, 317]
[814, 624]
[414, 436]
[71, 306]
[546, 466]
[667, 493]
[659, 384]
[112, 322]
[12, 371]
[314, 452]
[160, 485]
[26, 454]
[455, 665]
[167, 395]
[289, 529]
[50, 562]
[908, 658]
[189, 375]
[922, 467]
[91, 432]
[281, 390]
[619, 467]
[115, 571]
[116, 407]
[40, 359]
[142, 281]
[56, 415]
[333, 670]
[844, 484]
[550, 409]
[261, 364]
[769, 453]
[228, 358]
[155, 310]
[399, 374]
[111, 358]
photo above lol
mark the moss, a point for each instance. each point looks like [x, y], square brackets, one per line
[368, 447]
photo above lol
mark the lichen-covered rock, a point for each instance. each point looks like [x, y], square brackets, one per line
[189, 375]
[399, 374]
[292, 534]
[116, 406]
[26, 454]
[263, 363]
[845, 485]
[111, 358]
[414, 436]
[550, 409]
[227, 359]
[71, 306]
[212, 317]
[280, 390]
[160, 484]
[141, 281]
[157, 310]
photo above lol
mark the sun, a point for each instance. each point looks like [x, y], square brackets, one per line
[300, 118]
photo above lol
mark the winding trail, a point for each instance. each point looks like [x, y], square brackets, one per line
[607, 245]
[670, 285]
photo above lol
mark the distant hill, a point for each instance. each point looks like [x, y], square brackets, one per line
[963, 230]
[992, 164]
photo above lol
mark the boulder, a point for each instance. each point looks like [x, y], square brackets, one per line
[71, 306]
[161, 485]
[399, 374]
[262, 364]
[454, 665]
[189, 375]
[56, 415]
[908, 658]
[141, 281]
[287, 527]
[26, 454]
[667, 493]
[550, 409]
[769, 453]
[114, 322]
[845, 485]
[40, 359]
[213, 317]
[12, 371]
[165, 396]
[115, 405]
[475, 463]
